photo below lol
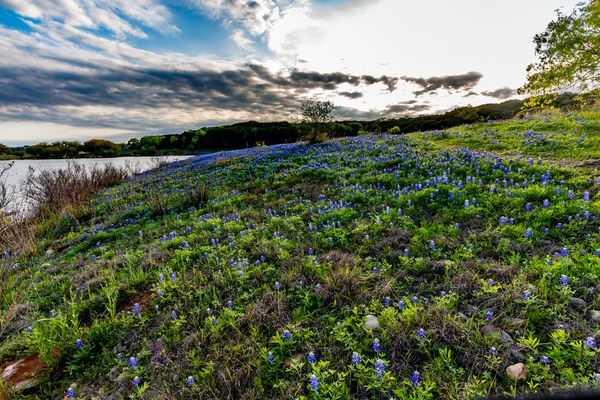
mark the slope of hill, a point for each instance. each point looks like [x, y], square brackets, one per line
[419, 266]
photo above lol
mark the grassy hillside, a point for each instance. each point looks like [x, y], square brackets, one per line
[256, 273]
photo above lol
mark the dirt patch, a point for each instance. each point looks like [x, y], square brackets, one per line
[143, 299]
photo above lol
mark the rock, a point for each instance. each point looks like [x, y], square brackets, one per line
[517, 371]
[49, 252]
[577, 303]
[371, 322]
[595, 315]
[367, 259]
[471, 310]
[491, 330]
[462, 317]
[24, 374]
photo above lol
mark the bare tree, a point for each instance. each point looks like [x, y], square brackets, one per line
[317, 113]
[7, 192]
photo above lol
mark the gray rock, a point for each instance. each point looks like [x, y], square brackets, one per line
[462, 317]
[371, 322]
[491, 330]
[576, 302]
[595, 315]
[27, 384]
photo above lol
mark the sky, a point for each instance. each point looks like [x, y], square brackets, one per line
[117, 69]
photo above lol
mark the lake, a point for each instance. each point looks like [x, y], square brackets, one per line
[20, 168]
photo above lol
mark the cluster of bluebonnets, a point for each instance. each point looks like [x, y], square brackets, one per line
[297, 246]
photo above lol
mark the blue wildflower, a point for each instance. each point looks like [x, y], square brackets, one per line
[79, 343]
[311, 358]
[493, 351]
[190, 381]
[401, 305]
[376, 346]
[590, 342]
[526, 295]
[229, 304]
[414, 300]
[564, 252]
[277, 286]
[159, 293]
[564, 280]
[161, 277]
[544, 360]
[314, 383]
[132, 362]
[415, 379]
[528, 233]
[286, 335]
[214, 321]
[489, 315]
[137, 309]
[491, 282]
[174, 314]
[70, 393]
[270, 357]
[136, 381]
[355, 358]
[379, 368]
[172, 275]
[421, 333]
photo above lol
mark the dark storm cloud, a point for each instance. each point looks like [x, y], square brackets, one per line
[405, 108]
[501, 94]
[449, 82]
[351, 95]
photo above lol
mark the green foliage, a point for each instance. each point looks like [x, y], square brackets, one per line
[568, 52]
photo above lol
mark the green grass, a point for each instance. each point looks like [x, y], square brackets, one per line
[309, 240]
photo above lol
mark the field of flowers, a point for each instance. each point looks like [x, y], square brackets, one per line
[377, 267]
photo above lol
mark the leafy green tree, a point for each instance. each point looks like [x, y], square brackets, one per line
[568, 51]
[4, 149]
[394, 130]
[102, 147]
[317, 114]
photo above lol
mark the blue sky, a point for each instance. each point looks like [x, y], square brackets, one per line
[76, 69]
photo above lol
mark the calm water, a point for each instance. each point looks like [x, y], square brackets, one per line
[19, 170]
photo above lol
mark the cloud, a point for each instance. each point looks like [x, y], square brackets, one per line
[405, 108]
[113, 15]
[449, 82]
[501, 94]
[351, 95]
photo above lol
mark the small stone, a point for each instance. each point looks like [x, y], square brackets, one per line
[491, 330]
[462, 317]
[367, 259]
[517, 371]
[27, 384]
[471, 310]
[595, 315]
[576, 302]
[371, 322]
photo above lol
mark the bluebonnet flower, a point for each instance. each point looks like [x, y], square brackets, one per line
[489, 315]
[119, 356]
[570, 195]
[590, 342]
[442, 294]
[528, 207]
[286, 335]
[421, 333]
[214, 321]
[159, 293]
[314, 383]
[208, 311]
[229, 304]
[544, 360]
[156, 307]
[137, 309]
[491, 282]
[432, 245]
[597, 253]
[564, 252]
[161, 277]
[414, 300]
[174, 314]
[546, 203]
[386, 302]
[136, 381]
[277, 286]
[185, 245]
[30, 329]
[172, 275]
[493, 351]
[79, 343]
[53, 313]
[190, 381]
[70, 393]
[132, 362]
[586, 196]
[376, 346]
[526, 295]
[270, 357]
[401, 305]
[564, 280]
[379, 368]
[415, 379]
[311, 357]
[561, 327]
[99, 244]
[355, 358]
[406, 253]
[528, 233]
